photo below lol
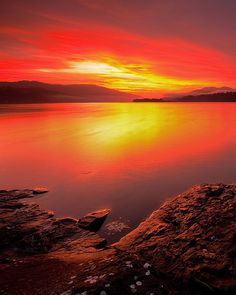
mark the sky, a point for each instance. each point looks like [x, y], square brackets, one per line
[150, 48]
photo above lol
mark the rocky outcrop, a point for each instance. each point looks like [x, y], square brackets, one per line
[25, 228]
[192, 237]
[188, 246]
[94, 220]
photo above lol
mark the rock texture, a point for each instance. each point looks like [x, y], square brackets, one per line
[25, 228]
[192, 238]
[188, 246]
[93, 221]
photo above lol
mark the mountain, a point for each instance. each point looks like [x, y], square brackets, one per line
[215, 97]
[200, 91]
[211, 90]
[38, 92]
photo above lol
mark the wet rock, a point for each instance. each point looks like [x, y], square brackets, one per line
[194, 244]
[28, 229]
[66, 221]
[40, 190]
[94, 220]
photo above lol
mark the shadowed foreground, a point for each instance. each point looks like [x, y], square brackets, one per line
[188, 246]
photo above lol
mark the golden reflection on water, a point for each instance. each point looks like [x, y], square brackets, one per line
[97, 155]
[146, 134]
[102, 135]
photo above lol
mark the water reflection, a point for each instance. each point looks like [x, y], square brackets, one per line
[124, 156]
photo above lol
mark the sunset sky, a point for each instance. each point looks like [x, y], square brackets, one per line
[145, 47]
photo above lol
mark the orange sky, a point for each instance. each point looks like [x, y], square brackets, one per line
[150, 49]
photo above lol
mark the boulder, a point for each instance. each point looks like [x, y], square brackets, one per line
[94, 220]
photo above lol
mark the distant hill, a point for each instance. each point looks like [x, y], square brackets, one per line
[200, 91]
[215, 97]
[210, 90]
[38, 92]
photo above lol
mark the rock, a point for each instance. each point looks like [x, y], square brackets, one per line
[146, 265]
[65, 221]
[185, 247]
[93, 221]
[26, 228]
[40, 190]
[191, 245]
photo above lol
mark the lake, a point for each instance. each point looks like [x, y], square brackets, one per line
[129, 157]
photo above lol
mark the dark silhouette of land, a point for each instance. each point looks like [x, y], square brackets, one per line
[38, 92]
[149, 100]
[210, 90]
[215, 97]
[201, 91]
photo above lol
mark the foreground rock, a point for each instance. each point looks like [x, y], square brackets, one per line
[188, 246]
[192, 238]
[93, 221]
[25, 228]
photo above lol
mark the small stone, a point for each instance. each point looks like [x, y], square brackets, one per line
[70, 283]
[146, 265]
[93, 281]
[130, 265]
[107, 285]
[73, 277]
[139, 283]
[103, 293]
[148, 273]
[84, 293]
[132, 286]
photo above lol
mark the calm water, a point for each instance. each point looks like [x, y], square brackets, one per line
[129, 157]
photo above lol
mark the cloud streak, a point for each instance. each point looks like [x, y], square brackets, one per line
[147, 48]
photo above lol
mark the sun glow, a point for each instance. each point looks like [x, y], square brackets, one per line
[93, 67]
[130, 77]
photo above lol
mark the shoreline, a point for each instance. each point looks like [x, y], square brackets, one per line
[187, 246]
